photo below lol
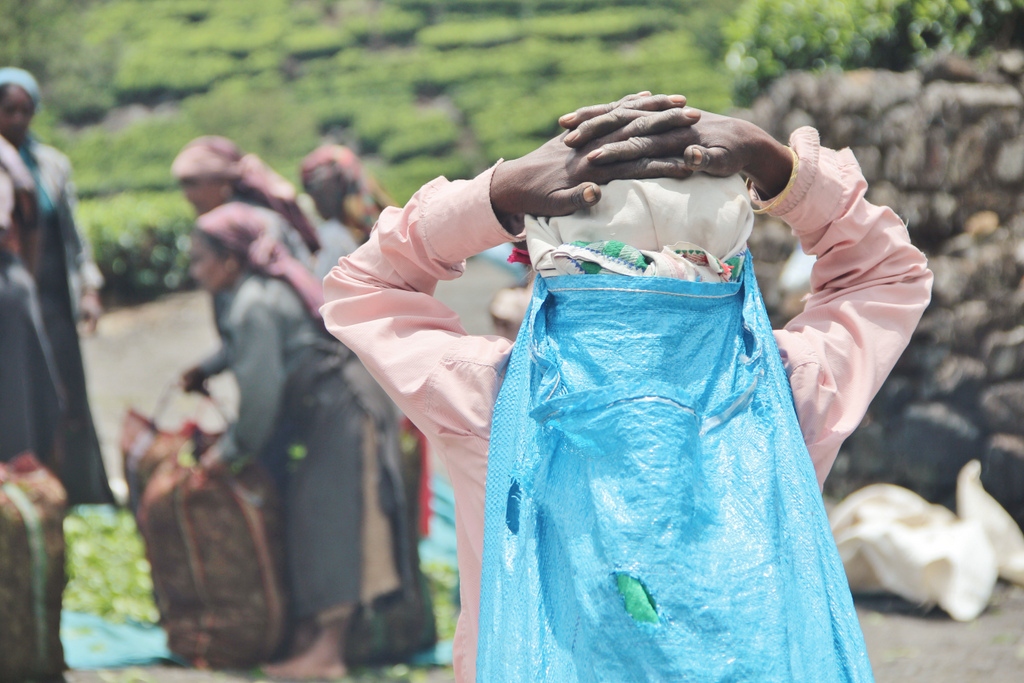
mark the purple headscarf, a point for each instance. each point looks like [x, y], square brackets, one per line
[242, 231]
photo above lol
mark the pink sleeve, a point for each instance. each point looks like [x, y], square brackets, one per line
[869, 287]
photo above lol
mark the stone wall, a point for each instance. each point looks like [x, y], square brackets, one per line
[943, 146]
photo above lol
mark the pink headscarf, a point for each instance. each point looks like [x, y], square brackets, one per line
[213, 156]
[242, 231]
[337, 170]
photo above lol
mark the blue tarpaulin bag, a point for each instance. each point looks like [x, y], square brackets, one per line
[652, 511]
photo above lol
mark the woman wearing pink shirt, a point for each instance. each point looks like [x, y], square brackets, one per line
[870, 285]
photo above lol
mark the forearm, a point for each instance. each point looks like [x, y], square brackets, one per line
[92, 278]
[870, 286]
[215, 363]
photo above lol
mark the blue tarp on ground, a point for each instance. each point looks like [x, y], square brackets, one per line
[91, 642]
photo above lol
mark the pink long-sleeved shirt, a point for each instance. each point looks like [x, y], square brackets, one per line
[870, 287]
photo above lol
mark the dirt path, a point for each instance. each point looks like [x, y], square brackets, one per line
[137, 351]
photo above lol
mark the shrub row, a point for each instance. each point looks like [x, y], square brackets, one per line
[388, 24]
[530, 7]
[139, 241]
[609, 24]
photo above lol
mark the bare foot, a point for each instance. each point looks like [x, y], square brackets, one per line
[321, 660]
[303, 638]
[297, 669]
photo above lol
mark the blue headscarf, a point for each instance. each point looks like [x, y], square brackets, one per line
[12, 75]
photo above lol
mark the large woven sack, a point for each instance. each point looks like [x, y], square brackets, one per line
[214, 545]
[32, 503]
[404, 624]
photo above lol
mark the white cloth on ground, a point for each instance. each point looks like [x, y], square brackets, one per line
[892, 540]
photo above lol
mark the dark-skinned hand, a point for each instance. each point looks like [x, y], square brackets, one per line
[90, 310]
[661, 126]
[212, 462]
[193, 381]
[556, 179]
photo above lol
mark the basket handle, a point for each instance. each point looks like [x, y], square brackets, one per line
[163, 402]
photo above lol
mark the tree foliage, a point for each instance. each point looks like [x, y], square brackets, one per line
[44, 37]
[769, 37]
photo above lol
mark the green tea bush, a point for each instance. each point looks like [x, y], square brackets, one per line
[139, 241]
[335, 93]
[452, 69]
[512, 116]
[667, 62]
[79, 86]
[768, 37]
[147, 72]
[483, 33]
[610, 24]
[377, 119]
[434, 135]
[317, 41]
[513, 126]
[591, 5]
[235, 35]
[136, 158]
[262, 118]
[389, 24]
[402, 180]
[478, 7]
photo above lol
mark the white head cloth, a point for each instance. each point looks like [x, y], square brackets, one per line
[654, 216]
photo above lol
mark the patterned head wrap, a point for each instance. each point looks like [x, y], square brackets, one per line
[242, 231]
[657, 216]
[216, 157]
[336, 174]
[12, 75]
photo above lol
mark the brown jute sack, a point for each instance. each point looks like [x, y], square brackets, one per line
[32, 579]
[214, 545]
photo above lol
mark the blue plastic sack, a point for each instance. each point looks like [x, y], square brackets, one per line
[652, 510]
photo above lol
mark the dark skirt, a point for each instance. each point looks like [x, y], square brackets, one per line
[81, 469]
[29, 404]
[331, 407]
